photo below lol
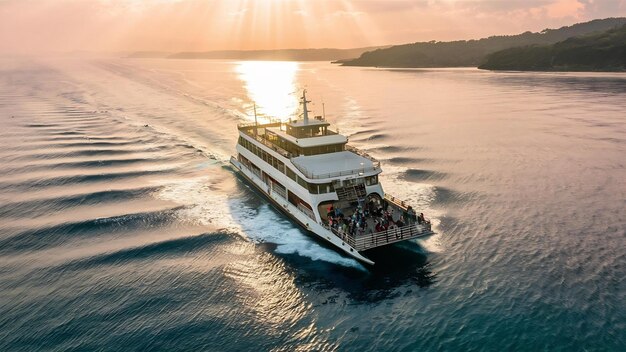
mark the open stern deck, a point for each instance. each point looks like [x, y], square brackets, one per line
[379, 227]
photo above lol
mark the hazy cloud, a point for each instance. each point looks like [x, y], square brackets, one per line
[347, 14]
[301, 13]
[177, 25]
[504, 5]
[603, 8]
[374, 6]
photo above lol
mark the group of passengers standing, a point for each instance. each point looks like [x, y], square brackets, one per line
[381, 213]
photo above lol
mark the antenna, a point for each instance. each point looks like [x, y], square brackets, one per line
[256, 122]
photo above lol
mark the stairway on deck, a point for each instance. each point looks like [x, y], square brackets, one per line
[351, 193]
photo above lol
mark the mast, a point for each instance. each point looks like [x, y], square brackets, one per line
[305, 112]
[256, 122]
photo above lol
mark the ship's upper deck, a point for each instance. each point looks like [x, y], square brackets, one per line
[317, 157]
[296, 138]
[335, 164]
[307, 141]
[312, 146]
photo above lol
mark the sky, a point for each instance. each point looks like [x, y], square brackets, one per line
[34, 26]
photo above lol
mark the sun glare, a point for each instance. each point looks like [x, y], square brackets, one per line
[271, 85]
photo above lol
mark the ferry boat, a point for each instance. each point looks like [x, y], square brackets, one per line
[329, 187]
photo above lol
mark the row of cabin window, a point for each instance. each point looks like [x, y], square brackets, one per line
[323, 149]
[313, 188]
[268, 158]
[293, 199]
[297, 150]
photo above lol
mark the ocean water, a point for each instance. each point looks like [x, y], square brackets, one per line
[122, 226]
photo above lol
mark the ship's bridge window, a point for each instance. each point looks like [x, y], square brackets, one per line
[352, 182]
[322, 188]
[371, 180]
[324, 149]
[308, 131]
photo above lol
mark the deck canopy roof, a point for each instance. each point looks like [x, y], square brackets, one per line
[310, 141]
[334, 164]
[302, 123]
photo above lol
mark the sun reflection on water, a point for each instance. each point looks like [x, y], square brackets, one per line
[271, 85]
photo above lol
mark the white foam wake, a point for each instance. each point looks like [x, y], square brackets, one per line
[208, 206]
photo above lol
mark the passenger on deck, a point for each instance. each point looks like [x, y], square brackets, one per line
[372, 217]
[379, 227]
[361, 229]
[369, 229]
[384, 223]
[411, 215]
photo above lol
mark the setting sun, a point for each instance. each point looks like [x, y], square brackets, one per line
[271, 86]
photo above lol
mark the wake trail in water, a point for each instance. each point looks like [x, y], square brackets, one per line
[91, 171]
[260, 224]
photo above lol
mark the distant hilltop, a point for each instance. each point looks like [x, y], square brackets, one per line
[604, 51]
[148, 54]
[473, 53]
[277, 55]
[593, 45]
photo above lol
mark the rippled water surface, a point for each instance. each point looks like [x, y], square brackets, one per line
[122, 227]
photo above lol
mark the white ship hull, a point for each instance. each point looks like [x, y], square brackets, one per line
[308, 171]
[296, 214]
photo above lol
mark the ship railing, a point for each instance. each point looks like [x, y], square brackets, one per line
[343, 235]
[392, 235]
[257, 172]
[311, 175]
[306, 211]
[273, 146]
[279, 191]
[396, 201]
[404, 206]
[270, 123]
[364, 154]
[266, 142]
[282, 193]
[246, 125]
[362, 242]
